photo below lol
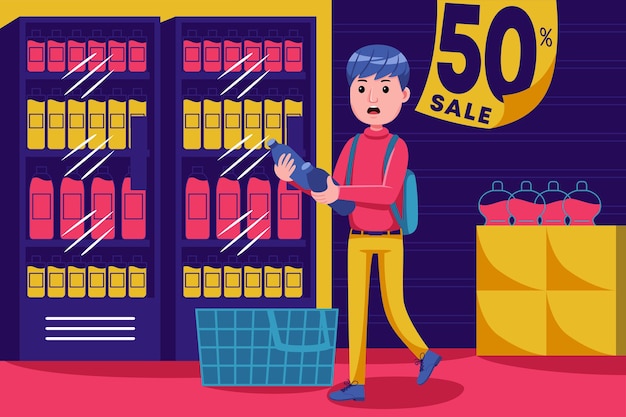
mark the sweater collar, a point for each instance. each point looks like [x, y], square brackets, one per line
[376, 134]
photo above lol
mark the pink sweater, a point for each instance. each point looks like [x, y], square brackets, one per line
[372, 190]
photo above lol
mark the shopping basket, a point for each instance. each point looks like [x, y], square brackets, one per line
[266, 347]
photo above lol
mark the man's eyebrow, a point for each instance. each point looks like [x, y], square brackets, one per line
[361, 81]
[385, 81]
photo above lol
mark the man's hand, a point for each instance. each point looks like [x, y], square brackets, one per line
[328, 196]
[285, 167]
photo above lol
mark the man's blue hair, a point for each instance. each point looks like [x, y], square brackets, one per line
[378, 60]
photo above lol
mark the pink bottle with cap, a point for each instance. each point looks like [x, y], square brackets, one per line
[555, 214]
[197, 205]
[582, 205]
[212, 53]
[526, 205]
[289, 212]
[72, 206]
[228, 207]
[258, 197]
[492, 205]
[41, 205]
[133, 211]
[99, 49]
[103, 202]
[191, 55]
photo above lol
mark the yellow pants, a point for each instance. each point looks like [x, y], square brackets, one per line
[390, 251]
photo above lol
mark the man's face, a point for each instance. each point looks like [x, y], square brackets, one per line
[377, 102]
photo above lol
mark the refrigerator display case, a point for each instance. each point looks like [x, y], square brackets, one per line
[240, 238]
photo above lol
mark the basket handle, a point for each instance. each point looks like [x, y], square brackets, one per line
[289, 348]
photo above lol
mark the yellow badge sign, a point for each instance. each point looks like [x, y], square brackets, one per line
[492, 61]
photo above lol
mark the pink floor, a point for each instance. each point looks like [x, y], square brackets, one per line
[462, 385]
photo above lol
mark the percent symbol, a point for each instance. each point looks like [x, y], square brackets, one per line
[546, 36]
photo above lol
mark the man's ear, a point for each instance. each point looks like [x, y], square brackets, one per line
[407, 93]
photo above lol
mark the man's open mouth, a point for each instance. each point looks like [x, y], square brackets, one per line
[373, 109]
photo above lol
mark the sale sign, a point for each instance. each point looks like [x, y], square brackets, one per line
[492, 62]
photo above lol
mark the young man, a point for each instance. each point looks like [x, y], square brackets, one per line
[378, 77]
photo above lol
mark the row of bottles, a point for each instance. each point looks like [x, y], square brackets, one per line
[78, 279]
[75, 208]
[221, 124]
[58, 54]
[551, 206]
[228, 207]
[60, 124]
[217, 53]
[233, 279]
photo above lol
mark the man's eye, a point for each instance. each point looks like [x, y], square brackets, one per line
[361, 89]
[385, 89]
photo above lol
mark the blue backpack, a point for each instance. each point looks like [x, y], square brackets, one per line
[408, 223]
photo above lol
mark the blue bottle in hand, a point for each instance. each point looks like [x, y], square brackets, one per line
[298, 175]
[317, 178]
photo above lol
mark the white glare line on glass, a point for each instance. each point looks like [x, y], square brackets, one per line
[76, 149]
[78, 223]
[96, 166]
[93, 87]
[241, 61]
[86, 157]
[235, 146]
[244, 75]
[90, 247]
[80, 64]
[79, 82]
[253, 165]
[244, 232]
[255, 82]
[233, 224]
[94, 227]
[242, 157]
[245, 248]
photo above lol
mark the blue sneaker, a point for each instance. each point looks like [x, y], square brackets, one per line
[427, 362]
[355, 392]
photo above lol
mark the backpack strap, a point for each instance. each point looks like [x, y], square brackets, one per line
[392, 144]
[351, 159]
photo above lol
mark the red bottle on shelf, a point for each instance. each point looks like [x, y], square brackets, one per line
[197, 205]
[293, 52]
[117, 51]
[35, 55]
[212, 53]
[258, 197]
[228, 207]
[137, 52]
[103, 202]
[41, 205]
[133, 211]
[254, 46]
[99, 48]
[232, 52]
[289, 212]
[192, 55]
[273, 48]
[56, 55]
[72, 206]
[76, 53]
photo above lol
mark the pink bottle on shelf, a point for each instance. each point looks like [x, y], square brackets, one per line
[526, 205]
[103, 202]
[117, 51]
[228, 207]
[35, 55]
[192, 55]
[293, 52]
[554, 214]
[212, 52]
[273, 48]
[76, 53]
[97, 47]
[56, 55]
[41, 205]
[72, 206]
[232, 51]
[137, 52]
[254, 46]
[289, 212]
[582, 205]
[197, 205]
[258, 197]
[492, 205]
[133, 211]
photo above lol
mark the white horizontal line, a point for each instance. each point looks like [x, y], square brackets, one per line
[75, 339]
[89, 328]
[91, 318]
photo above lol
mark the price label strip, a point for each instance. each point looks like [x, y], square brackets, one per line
[493, 61]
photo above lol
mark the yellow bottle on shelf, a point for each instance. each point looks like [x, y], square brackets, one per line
[253, 113]
[96, 123]
[76, 278]
[117, 124]
[212, 272]
[273, 120]
[76, 124]
[56, 278]
[252, 277]
[136, 108]
[293, 108]
[273, 278]
[36, 136]
[293, 278]
[232, 278]
[117, 278]
[96, 278]
[232, 124]
[137, 278]
[35, 276]
[191, 278]
[56, 124]
[212, 124]
[192, 135]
